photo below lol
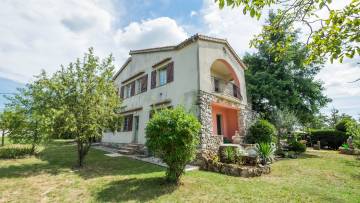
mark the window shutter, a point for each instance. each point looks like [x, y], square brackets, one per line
[239, 93]
[122, 92]
[236, 91]
[144, 82]
[170, 72]
[153, 79]
[132, 93]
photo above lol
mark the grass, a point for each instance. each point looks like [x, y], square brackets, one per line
[318, 176]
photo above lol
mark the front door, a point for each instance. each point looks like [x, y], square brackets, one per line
[136, 129]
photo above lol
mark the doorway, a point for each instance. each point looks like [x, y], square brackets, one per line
[136, 129]
[219, 124]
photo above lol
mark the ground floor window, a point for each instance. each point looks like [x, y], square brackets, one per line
[128, 123]
[152, 111]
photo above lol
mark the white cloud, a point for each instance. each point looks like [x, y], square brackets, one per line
[193, 13]
[338, 78]
[340, 86]
[161, 31]
[37, 35]
[231, 24]
[239, 30]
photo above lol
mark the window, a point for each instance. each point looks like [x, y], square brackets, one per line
[141, 84]
[217, 85]
[128, 91]
[162, 76]
[152, 111]
[128, 123]
[138, 86]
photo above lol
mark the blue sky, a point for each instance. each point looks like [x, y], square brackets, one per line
[39, 34]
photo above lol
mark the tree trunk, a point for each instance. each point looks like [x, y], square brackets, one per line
[3, 138]
[83, 149]
[80, 154]
[33, 147]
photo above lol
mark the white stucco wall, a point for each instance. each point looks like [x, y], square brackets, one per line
[208, 53]
[191, 74]
[183, 90]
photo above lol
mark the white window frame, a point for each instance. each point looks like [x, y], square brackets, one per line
[162, 73]
[128, 90]
[138, 86]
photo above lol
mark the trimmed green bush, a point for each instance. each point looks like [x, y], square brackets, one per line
[331, 138]
[173, 134]
[297, 147]
[261, 131]
[15, 151]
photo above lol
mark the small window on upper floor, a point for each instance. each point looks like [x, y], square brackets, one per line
[162, 76]
[138, 86]
[128, 89]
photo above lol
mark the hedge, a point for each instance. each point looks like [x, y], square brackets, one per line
[331, 138]
[14, 151]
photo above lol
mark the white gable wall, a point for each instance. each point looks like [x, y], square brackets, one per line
[183, 90]
[208, 53]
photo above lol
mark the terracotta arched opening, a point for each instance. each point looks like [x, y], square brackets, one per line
[229, 69]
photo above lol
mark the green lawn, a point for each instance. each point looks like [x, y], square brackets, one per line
[319, 176]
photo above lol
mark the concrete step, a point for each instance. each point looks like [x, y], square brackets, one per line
[134, 145]
[128, 148]
[123, 151]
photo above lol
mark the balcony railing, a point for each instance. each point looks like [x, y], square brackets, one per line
[225, 87]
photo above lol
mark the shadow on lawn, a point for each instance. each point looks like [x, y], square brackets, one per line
[134, 189]
[62, 157]
[308, 156]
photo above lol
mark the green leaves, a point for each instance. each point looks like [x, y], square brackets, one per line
[278, 76]
[335, 36]
[173, 134]
[78, 101]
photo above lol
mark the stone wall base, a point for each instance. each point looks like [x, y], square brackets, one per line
[236, 170]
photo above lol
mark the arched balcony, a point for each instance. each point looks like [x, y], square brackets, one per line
[224, 80]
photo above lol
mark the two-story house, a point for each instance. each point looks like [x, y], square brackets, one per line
[204, 74]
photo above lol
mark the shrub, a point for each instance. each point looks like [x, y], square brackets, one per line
[266, 152]
[342, 124]
[173, 134]
[297, 147]
[331, 138]
[14, 151]
[261, 131]
[353, 129]
[345, 146]
[229, 155]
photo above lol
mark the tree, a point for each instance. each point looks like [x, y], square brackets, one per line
[5, 118]
[173, 134]
[279, 80]
[285, 121]
[30, 120]
[335, 117]
[336, 35]
[84, 100]
[320, 121]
